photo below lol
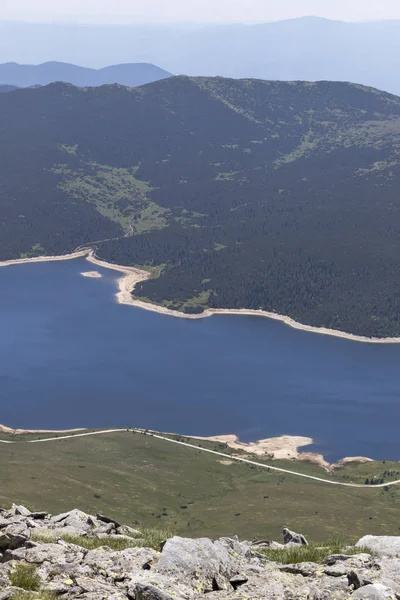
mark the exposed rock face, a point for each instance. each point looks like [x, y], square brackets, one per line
[185, 569]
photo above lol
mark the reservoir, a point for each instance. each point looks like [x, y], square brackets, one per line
[70, 356]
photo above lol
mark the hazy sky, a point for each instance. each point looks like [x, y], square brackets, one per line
[200, 11]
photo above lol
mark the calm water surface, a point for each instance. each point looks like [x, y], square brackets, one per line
[71, 357]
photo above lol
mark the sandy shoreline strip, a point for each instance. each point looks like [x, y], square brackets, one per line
[284, 447]
[11, 431]
[92, 274]
[132, 276]
[22, 261]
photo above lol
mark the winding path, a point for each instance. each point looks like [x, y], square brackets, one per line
[258, 464]
[66, 437]
[215, 452]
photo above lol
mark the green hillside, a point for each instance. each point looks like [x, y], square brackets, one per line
[245, 193]
[152, 483]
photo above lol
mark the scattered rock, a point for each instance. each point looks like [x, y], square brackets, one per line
[38, 515]
[21, 510]
[13, 536]
[126, 530]
[305, 569]
[294, 538]
[108, 520]
[185, 569]
[146, 591]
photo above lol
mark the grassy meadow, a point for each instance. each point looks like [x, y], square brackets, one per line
[151, 483]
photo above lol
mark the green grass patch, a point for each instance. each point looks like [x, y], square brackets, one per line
[199, 302]
[307, 145]
[153, 538]
[92, 543]
[227, 175]
[189, 218]
[42, 595]
[116, 193]
[72, 150]
[26, 437]
[36, 250]
[151, 217]
[148, 538]
[315, 553]
[25, 576]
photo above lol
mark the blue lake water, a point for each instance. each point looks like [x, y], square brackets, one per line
[70, 356]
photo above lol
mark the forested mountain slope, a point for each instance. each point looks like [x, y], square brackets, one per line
[244, 193]
[133, 74]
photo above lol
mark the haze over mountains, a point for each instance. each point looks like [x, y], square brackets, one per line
[300, 49]
[7, 88]
[240, 193]
[14, 74]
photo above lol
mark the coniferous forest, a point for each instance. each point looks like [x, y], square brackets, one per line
[240, 193]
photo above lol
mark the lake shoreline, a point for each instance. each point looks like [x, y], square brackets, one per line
[11, 431]
[284, 447]
[132, 276]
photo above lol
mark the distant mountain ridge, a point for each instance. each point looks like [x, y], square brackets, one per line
[308, 49]
[132, 75]
[7, 88]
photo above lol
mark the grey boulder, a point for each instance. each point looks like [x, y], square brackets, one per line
[14, 536]
[291, 537]
[147, 591]
[384, 545]
[375, 591]
[204, 564]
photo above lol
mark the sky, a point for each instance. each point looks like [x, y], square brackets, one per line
[196, 11]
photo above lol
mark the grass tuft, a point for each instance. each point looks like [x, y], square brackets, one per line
[89, 543]
[25, 576]
[315, 553]
[153, 538]
[43, 595]
[148, 538]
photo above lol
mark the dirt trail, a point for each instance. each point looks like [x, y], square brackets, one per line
[214, 452]
[272, 468]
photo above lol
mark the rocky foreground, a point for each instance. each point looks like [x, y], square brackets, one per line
[32, 543]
